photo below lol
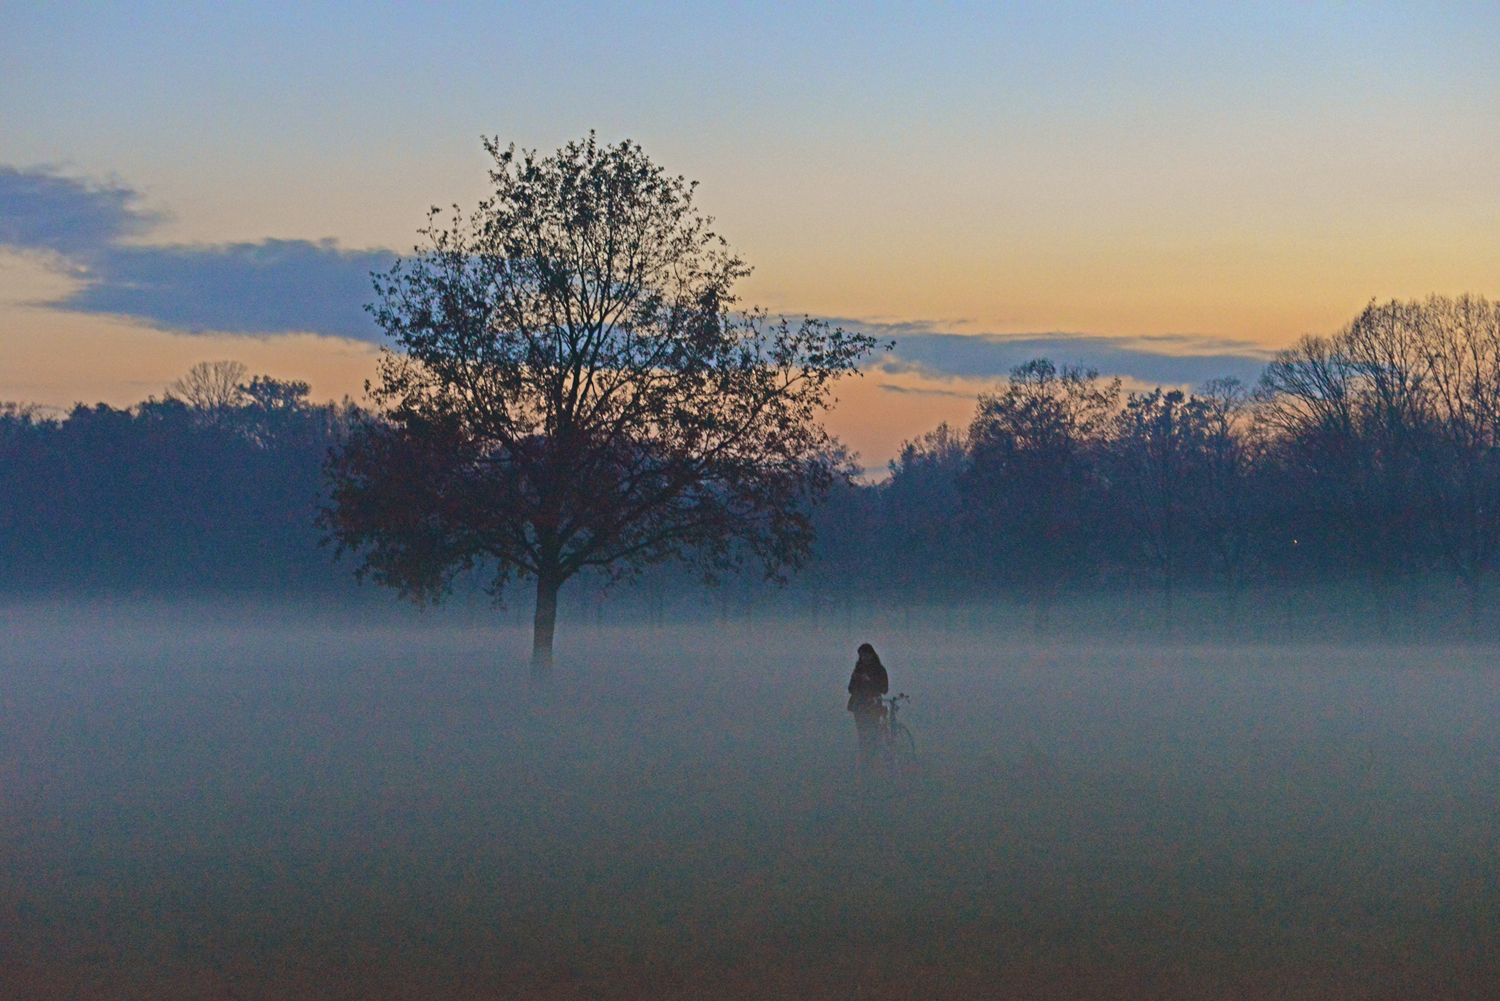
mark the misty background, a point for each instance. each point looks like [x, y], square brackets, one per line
[1201, 663]
[1351, 490]
[1202, 693]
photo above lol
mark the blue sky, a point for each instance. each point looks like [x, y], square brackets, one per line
[1228, 177]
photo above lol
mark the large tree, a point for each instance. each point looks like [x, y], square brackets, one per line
[574, 387]
[1461, 461]
[1353, 415]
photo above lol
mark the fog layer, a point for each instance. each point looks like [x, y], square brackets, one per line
[248, 808]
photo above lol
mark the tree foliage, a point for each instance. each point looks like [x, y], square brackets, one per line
[575, 388]
[1032, 477]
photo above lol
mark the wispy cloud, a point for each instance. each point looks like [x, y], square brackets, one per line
[268, 287]
[43, 210]
[924, 391]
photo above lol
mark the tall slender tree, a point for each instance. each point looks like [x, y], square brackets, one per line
[1032, 478]
[1226, 506]
[1155, 467]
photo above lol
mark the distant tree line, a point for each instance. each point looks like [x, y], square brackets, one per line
[1368, 458]
[1371, 457]
[211, 490]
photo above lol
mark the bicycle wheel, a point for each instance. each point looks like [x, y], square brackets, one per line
[904, 763]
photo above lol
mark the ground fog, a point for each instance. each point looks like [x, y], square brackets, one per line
[256, 806]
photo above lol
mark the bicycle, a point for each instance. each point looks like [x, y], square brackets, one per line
[896, 762]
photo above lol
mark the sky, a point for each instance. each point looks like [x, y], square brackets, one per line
[1167, 191]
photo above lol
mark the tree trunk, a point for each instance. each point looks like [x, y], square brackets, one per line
[1166, 604]
[544, 623]
[1043, 597]
[1231, 620]
[1473, 584]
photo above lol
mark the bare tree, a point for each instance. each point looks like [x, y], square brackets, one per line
[574, 389]
[1308, 391]
[1461, 471]
[1354, 411]
[211, 387]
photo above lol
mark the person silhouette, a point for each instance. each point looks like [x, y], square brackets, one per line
[866, 686]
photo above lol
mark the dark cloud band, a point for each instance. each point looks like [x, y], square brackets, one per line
[1173, 359]
[982, 356]
[274, 286]
[269, 287]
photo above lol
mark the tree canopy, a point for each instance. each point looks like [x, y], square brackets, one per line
[574, 387]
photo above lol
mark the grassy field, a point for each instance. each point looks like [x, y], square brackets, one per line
[248, 807]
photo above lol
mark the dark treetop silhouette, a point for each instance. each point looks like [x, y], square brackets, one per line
[208, 495]
[1033, 472]
[573, 389]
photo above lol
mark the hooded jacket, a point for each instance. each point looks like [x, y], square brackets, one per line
[868, 682]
